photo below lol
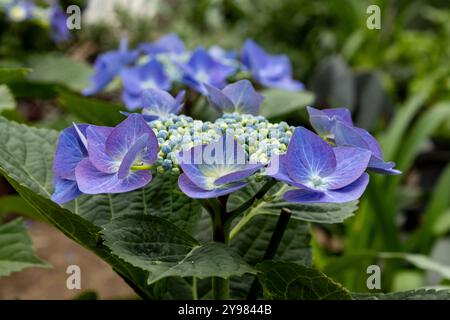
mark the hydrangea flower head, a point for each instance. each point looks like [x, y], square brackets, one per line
[238, 97]
[215, 169]
[203, 68]
[70, 151]
[322, 173]
[119, 158]
[108, 65]
[273, 71]
[137, 79]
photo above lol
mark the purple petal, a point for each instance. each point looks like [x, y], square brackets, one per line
[345, 135]
[283, 83]
[244, 97]
[308, 155]
[132, 102]
[154, 70]
[323, 121]
[69, 152]
[169, 43]
[342, 114]
[135, 153]
[92, 181]
[241, 174]
[277, 169]
[218, 99]
[193, 191]
[373, 144]
[349, 193]
[350, 165]
[126, 134]
[253, 55]
[159, 103]
[131, 80]
[377, 165]
[65, 190]
[96, 137]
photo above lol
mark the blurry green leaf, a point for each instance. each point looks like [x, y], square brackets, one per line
[162, 249]
[372, 99]
[392, 139]
[8, 74]
[16, 249]
[7, 101]
[420, 261]
[421, 131]
[291, 281]
[59, 69]
[279, 103]
[15, 204]
[418, 294]
[436, 218]
[440, 254]
[407, 280]
[333, 84]
[90, 110]
[87, 295]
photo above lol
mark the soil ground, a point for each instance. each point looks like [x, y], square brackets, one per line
[54, 247]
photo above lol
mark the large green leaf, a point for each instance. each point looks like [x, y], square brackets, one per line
[418, 294]
[16, 249]
[279, 103]
[287, 280]
[26, 161]
[154, 245]
[59, 69]
[8, 74]
[91, 110]
[7, 101]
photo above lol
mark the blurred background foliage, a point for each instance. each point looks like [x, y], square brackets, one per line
[396, 81]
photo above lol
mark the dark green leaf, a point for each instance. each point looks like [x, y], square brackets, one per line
[8, 74]
[287, 280]
[16, 249]
[418, 294]
[91, 110]
[164, 250]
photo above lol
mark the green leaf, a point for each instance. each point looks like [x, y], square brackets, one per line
[278, 102]
[272, 204]
[59, 69]
[16, 204]
[16, 249]
[7, 101]
[90, 110]
[164, 250]
[418, 294]
[251, 244]
[8, 74]
[436, 218]
[26, 162]
[291, 281]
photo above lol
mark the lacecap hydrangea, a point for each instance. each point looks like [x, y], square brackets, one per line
[214, 159]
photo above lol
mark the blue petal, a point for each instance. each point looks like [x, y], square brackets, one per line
[65, 190]
[92, 181]
[126, 134]
[159, 103]
[253, 55]
[132, 102]
[308, 155]
[349, 193]
[351, 163]
[96, 137]
[244, 97]
[193, 191]
[243, 172]
[219, 100]
[170, 43]
[69, 152]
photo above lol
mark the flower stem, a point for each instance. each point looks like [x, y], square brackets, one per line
[220, 286]
[272, 247]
